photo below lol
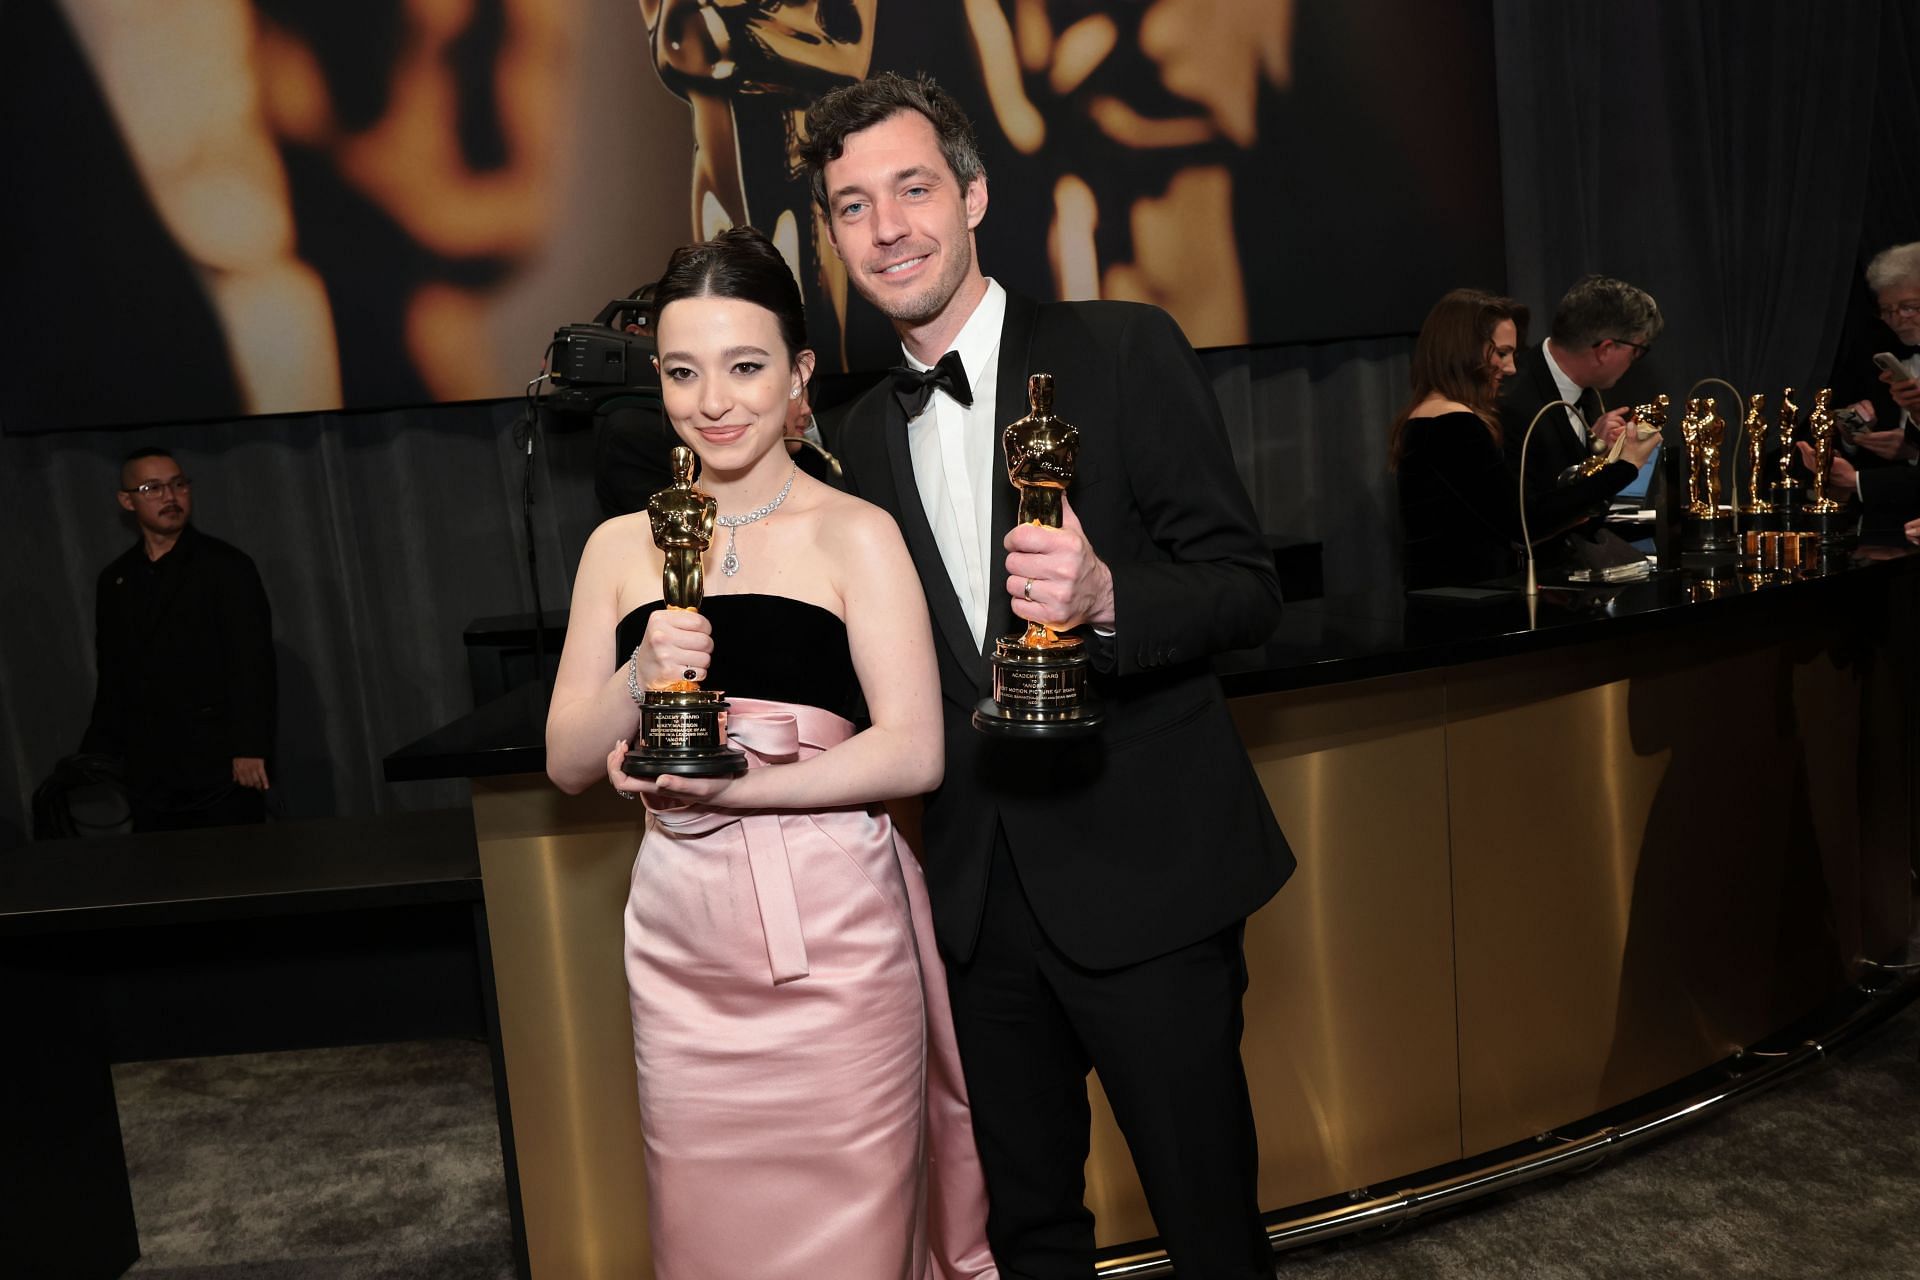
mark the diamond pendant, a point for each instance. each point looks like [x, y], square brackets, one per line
[730, 564]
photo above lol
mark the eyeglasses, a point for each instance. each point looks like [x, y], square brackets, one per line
[1639, 348]
[154, 488]
[1905, 310]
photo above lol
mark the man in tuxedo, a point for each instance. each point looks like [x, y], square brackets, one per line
[1890, 490]
[1089, 895]
[184, 645]
[1601, 327]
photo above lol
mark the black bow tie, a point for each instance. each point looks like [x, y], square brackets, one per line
[914, 387]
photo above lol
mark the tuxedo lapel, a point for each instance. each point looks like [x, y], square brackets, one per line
[949, 619]
[1009, 405]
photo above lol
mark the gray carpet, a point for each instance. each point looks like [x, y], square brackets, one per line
[373, 1163]
[1818, 1179]
[381, 1163]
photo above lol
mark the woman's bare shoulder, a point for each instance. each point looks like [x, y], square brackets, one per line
[1435, 406]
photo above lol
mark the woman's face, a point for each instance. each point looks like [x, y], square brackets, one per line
[1499, 358]
[726, 378]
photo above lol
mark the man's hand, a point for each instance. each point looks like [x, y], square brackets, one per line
[1054, 576]
[1609, 425]
[1881, 444]
[1840, 474]
[1905, 391]
[250, 771]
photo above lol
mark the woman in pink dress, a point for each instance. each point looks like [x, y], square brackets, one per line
[799, 1084]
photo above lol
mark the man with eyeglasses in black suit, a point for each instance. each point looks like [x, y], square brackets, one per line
[184, 645]
[1600, 330]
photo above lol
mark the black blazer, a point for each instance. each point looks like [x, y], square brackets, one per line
[1555, 445]
[185, 660]
[1154, 832]
[1552, 506]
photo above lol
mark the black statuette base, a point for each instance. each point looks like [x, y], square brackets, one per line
[1833, 526]
[1039, 691]
[684, 732]
[1707, 533]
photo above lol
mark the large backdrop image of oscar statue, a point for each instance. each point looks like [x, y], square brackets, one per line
[225, 208]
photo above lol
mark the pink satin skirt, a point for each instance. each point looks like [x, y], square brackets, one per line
[799, 1083]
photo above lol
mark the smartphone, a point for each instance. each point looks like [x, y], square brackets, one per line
[1893, 364]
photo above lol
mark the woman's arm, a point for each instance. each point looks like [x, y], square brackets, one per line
[892, 644]
[592, 707]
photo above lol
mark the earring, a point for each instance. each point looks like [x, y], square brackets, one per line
[795, 393]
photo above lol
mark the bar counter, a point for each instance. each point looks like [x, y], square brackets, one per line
[1555, 856]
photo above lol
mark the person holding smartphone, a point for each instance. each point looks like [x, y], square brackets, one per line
[1881, 468]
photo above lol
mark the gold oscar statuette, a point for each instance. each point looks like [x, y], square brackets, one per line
[1712, 436]
[1693, 430]
[1040, 687]
[1820, 429]
[1785, 487]
[683, 728]
[1754, 436]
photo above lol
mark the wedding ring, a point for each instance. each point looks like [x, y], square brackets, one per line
[1027, 590]
[624, 795]
[687, 674]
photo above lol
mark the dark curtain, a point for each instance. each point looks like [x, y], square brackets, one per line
[1892, 211]
[1712, 153]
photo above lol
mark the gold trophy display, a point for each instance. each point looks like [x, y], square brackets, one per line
[1646, 420]
[1754, 436]
[1705, 432]
[1786, 486]
[1822, 511]
[683, 728]
[1651, 418]
[1039, 677]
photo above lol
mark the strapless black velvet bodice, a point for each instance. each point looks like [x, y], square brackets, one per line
[770, 647]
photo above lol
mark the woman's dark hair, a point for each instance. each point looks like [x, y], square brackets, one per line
[739, 263]
[1450, 358]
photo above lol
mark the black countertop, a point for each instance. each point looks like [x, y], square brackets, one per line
[1321, 642]
[226, 873]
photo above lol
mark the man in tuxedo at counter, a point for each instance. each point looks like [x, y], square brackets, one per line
[1089, 896]
[1890, 484]
[1601, 327]
[184, 645]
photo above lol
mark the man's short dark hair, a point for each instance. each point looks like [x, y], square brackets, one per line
[151, 451]
[865, 103]
[1600, 307]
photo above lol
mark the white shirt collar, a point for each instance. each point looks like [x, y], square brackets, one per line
[979, 337]
[1569, 390]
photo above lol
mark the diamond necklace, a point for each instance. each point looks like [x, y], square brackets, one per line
[730, 563]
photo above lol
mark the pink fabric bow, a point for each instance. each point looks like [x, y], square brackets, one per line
[772, 733]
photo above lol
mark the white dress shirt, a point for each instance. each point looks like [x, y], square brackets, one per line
[1568, 391]
[954, 450]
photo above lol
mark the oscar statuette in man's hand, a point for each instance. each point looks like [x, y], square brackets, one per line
[1040, 678]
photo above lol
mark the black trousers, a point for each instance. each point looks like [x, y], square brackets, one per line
[1165, 1037]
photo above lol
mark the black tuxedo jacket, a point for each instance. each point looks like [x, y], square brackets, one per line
[185, 659]
[1154, 832]
[1556, 446]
